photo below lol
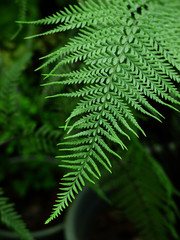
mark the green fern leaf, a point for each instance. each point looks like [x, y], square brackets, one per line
[128, 59]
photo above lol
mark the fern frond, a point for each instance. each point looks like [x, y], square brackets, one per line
[22, 14]
[11, 219]
[41, 139]
[141, 190]
[127, 62]
[9, 85]
[9, 95]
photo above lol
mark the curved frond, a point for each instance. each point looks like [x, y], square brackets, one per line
[129, 51]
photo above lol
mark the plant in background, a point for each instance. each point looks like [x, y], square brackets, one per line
[12, 219]
[126, 57]
[141, 190]
[28, 132]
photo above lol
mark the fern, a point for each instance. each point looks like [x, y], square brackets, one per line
[42, 139]
[9, 87]
[141, 190]
[11, 219]
[129, 55]
[22, 14]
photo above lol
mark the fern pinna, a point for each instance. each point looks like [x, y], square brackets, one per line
[12, 219]
[129, 56]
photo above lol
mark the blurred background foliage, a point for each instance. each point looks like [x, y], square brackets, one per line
[29, 123]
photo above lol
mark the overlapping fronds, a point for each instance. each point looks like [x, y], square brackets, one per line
[141, 190]
[129, 50]
[11, 219]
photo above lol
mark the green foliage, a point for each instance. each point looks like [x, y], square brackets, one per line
[20, 116]
[22, 15]
[28, 124]
[141, 190]
[25, 132]
[11, 219]
[130, 56]
[21, 170]
[9, 89]
[16, 114]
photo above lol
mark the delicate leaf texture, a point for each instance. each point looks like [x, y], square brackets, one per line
[11, 219]
[144, 194]
[130, 55]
